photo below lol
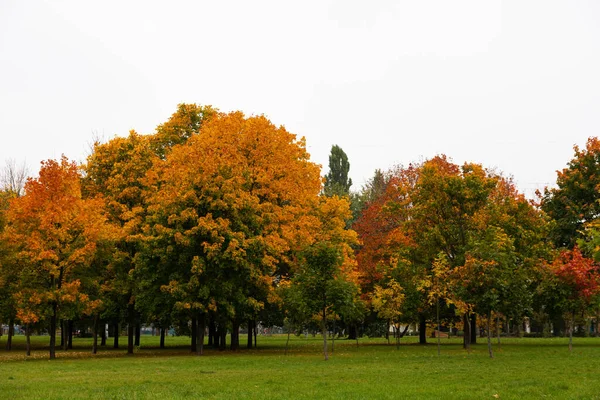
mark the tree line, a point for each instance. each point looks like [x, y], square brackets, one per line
[218, 221]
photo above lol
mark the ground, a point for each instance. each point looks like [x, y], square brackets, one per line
[522, 368]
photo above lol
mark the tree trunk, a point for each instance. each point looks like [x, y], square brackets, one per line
[53, 332]
[28, 339]
[473, 328]
[571, 332]
[287, 342]
[194, 335]
[333, 336]
[235, 335]
[324, 329]
[498, 327]
[201, 329]
[130, 327]
[255, 330]
[95, 343]
[466, 332]
[64, 335]
[352, 332]
[70, 334]
[222, 338]
[212, 329]
[11, 333]
[489, 334]
[117, 332]
[250, 331]
[138, 333]
[387, 331]
[422, 329]
[103, 334]
[162, 337]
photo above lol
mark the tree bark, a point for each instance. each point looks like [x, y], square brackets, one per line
[287, 342]
[324, 331]
[235, 335]
[474, 328]
[70, 334]
[130, 327]
[571, 332]
[212, 329]
[28, 339]
[162, 337]
[422, 329]
[95, 343]
[222, 337]
[201, 329]
[53, 332]
[138, 333]
[250, 331]
[466, 332]
[103, 334]
[489, 334]
[255, 330]
[11, 333]
[194, 335]
[117, 332]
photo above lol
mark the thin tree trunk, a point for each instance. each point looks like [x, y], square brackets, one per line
[138, 333]
[130, 327]
[333, 337]
[498, 327]
[489, 334]
[61, 324]
[201, 329]
[64, 335]
[194, 335]
[211, 332]
[387, 331]
[571, 332]
[467, 332]
[250, 331]
[397, 334]
[95, 343]
[437, 316]
[11, 333]
[287, 342]
[255, 329]
[103, 334]
[53, 332]
[117, 332]
[28, 339]
[422, 329]
[222, 337]
[474, 328]
[324, 329]
[162, 337]
[70, 334]
[235, 335]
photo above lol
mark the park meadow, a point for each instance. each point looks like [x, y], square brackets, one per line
[370, 368]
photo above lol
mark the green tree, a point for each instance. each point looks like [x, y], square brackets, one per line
[576, 200]
[337, 182]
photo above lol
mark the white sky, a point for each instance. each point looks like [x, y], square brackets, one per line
[512, 85]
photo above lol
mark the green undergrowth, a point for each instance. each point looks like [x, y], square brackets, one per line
[521, 369]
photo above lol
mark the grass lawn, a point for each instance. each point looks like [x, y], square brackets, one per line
[522, 369]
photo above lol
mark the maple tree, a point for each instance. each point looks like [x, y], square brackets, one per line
[576, 200]
[575, 282]
[225, 209]
[56, 233]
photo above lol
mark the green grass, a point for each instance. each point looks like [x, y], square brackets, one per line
[521, 369]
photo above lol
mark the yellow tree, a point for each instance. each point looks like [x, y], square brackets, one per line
[224, 210]
[57, 234]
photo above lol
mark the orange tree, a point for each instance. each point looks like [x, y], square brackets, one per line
[56, 233]
[225, 210]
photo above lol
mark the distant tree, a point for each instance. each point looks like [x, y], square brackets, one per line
[336, 180]
[576, 200]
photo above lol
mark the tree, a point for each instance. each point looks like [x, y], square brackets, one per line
[56, 233]
[576, 200]
[576, 284]
[336, 181]
[226, 210]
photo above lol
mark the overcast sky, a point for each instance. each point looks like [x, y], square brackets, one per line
[512, 85]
